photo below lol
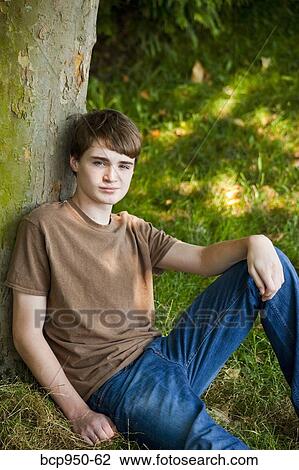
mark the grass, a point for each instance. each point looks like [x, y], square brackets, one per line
[29, 419]
[220, 161]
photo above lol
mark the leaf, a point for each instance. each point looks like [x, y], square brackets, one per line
[198, 73]
[180, 132]
[266, 61]
[228, 90]
[145, 94]
[155, 133]
[239, 122]
[232, 373]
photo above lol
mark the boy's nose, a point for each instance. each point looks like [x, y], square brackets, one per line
[111, 174]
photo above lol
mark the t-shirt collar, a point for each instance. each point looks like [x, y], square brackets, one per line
[91, 222]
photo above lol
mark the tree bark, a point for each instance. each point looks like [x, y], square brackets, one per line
[45, 51]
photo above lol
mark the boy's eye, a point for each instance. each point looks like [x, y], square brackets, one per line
[103, 163]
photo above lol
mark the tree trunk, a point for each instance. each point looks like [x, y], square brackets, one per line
[45, 51]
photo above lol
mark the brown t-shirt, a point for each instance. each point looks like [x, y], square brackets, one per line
[98, 283]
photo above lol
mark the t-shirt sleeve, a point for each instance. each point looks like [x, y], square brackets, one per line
[159, 244]
[29, 269]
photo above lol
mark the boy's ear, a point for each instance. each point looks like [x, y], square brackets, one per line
[73, 163]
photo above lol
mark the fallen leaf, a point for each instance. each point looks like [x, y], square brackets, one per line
[145, 94]
[155, 133]
[228, 90]
[180, 132]
[232, 373]
[125, 78]
[198, 73]
[239, 122]
[266, 61]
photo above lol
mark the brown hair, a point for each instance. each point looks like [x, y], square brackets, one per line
[110, 128]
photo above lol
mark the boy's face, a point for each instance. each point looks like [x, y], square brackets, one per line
[100, 169]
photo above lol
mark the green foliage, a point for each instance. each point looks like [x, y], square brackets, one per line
[155, 23]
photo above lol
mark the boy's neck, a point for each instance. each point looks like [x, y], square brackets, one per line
[98, 212]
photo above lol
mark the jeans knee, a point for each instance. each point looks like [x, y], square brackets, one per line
[289, 271]
[285, 261]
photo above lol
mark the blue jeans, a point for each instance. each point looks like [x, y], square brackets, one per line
[155, 400]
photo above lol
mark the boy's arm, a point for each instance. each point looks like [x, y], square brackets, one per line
[206, 261]
[39, 357]
[263, 262]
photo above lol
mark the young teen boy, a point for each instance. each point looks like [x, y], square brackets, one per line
[83, 308]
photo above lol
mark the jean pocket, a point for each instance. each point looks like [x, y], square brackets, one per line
[102, 391]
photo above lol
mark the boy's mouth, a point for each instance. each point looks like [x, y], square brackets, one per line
[108, 190]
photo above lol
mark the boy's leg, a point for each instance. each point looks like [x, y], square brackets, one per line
[151, 402]
[221, 317]
[205, 336]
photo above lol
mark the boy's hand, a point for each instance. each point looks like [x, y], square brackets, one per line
[264, 266]
[94, 427]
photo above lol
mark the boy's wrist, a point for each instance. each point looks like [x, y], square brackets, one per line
[77, 412]
[252, 239]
